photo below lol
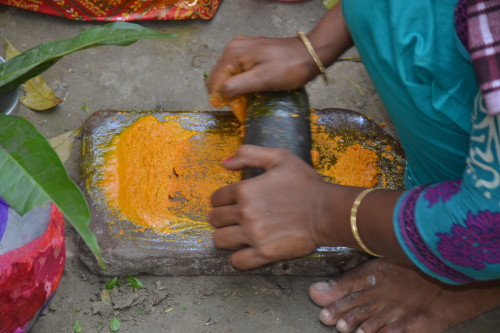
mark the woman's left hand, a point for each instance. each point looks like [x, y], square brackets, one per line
[271, 217]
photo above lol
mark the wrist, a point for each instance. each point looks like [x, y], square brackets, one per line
[319, 64]
[332, 227]
[331, 37]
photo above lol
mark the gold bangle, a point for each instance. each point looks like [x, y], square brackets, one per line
[354, 226]
[313, 54]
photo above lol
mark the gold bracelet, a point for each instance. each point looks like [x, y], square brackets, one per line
[354, 226]
[313, 54]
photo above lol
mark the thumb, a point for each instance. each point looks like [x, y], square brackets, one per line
[251, 156]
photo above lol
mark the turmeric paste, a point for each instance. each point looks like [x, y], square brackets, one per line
[161, 175]
[237, 105]
[343, 162]
[357, 166]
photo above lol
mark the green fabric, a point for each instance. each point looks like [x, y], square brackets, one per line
[407, 46]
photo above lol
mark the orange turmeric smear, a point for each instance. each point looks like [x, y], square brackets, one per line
[357, 166]
[352, 165]
[237, 105]
[161, 175]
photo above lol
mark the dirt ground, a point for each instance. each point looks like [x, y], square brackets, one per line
[168, 75]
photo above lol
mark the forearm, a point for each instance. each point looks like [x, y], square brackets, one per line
[374, 219]
[330, 37]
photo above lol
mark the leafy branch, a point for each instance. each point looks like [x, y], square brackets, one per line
[31, 172]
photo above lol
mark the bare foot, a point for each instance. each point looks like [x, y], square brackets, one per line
[378, 296]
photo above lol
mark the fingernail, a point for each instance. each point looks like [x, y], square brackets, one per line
[227, 160]
[322, 286]
[325, 313]
[341, 325]
[360, 330]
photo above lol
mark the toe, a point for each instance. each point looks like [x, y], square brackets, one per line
[383, 321]
[354, 318]
[348, 312]
[324, 293]
[327, 317]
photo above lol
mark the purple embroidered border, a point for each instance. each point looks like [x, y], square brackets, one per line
[4, 214]
[414, 241]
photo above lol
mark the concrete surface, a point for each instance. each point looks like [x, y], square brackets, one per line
[168, 75]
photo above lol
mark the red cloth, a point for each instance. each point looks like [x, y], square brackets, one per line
[29, 275]
[121, 10]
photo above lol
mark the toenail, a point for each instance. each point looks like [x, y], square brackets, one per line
[325, 313]
[372, 280]
[342, 325]
[360, 330]
[322, 286]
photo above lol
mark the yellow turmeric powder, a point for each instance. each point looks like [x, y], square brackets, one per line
[357, 166]
[161, 175]
[342, 162]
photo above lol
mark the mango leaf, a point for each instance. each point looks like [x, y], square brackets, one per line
[10, 50]
[36, 60]
[38, 95]
[32, 175]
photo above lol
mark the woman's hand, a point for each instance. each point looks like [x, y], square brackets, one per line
[251, 64]
[273, 216]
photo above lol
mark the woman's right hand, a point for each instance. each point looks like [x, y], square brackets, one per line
[252, 64]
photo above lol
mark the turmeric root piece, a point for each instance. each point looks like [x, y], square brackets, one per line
[237, 105]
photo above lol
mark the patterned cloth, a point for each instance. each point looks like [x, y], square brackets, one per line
[462, 246]
[483, 24]
[32, 258]
[121, 10]
[448, 221]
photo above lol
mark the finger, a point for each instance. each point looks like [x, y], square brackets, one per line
[224, 196]
[248, 258]
[230, 238]
[248, 81]
[220, 73]
[251, 156]
[223, 216]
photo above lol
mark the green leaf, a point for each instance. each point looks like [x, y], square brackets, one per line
[99, 327]
[134, 283]
[36, 60]
[113, 283]
[77, 327]
[114, 324]
[33, 175]
[85, 108]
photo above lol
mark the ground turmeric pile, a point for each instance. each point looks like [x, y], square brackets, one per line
[161, 175]
[357, 166]
[343, 162]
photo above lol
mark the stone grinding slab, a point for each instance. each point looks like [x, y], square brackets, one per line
[191, 252]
